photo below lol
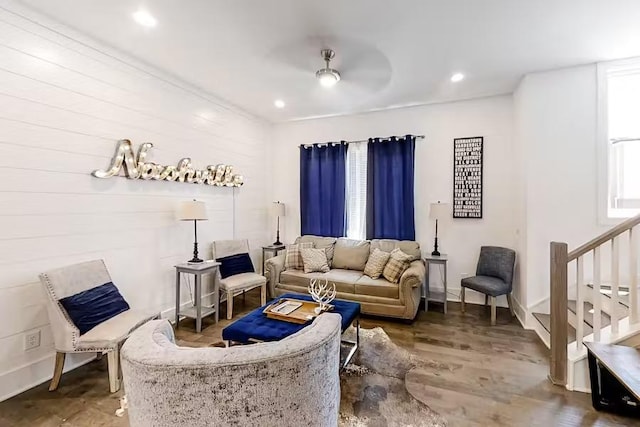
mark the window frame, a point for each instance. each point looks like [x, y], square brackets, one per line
[607, 216]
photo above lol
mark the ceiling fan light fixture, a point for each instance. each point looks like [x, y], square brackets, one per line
[457, 77]
[327, 76]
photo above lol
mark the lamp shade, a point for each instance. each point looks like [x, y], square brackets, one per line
[192, 211]
[278, 209]
[439, 210]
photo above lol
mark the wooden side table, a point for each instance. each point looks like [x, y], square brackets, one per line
[428, 294]
[198, 312]
[274, 249]
[614, 371]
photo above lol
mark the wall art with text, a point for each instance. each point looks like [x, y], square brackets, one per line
[467, 177]
[135, 166]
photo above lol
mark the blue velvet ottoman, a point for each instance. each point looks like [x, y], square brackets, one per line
[257, 327]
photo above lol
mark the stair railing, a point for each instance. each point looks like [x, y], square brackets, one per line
[560, 260]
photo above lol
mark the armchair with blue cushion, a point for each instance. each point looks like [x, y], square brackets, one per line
[88, 315]
[494, 277]
[237, 272]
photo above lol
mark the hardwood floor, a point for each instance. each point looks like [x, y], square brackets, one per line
[473, 374]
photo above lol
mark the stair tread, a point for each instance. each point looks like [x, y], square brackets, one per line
[622, 299]
[605, 320]
[545, 321]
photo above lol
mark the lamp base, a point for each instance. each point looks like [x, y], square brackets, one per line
[277, 243]
[195, 259]
[435, 252]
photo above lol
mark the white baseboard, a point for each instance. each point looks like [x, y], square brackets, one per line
[170, 313]
[23, 378]
[521, 313]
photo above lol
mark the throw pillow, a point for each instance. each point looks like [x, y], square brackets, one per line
[293, 258]
[92, 307]
[314, 260]
[326, 243]
[397, 264]
[375, 265]
[350, 254]
[235, 264]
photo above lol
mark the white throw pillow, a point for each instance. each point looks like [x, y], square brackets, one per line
[375, 265]
[314, 260]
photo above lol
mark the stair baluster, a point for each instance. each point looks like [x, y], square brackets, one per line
[597, 301]
[580, 290]
[633, 275]
[615, 284]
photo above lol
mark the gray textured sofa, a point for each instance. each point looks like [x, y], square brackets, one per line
[292, 382]
[376, 296]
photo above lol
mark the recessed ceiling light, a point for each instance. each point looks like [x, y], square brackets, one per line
[457, 77]
[145, 19]
[279, 103]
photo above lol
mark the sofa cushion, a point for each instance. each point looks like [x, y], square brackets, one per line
[375, 265]
[409, 247]
[344, 279]
[351, 254]
[113, 331]
[241, 281]
[486, 284]
[397, 264]
[326, 243]
[314, 260]
[377, 287]
[293, 258]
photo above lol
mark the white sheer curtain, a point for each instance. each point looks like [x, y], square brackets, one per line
[356, 191]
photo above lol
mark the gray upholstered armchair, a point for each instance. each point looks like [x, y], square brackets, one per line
[494, 276]
[294, 381]
[103, 338]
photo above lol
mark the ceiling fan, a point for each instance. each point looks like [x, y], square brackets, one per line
[363, 69]
[327, 76]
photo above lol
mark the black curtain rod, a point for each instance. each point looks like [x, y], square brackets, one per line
[360, 141]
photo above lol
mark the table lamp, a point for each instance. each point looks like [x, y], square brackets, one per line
[438, 211]
[278, 210]
[193, 211]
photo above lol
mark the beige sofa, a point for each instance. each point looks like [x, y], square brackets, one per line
[347, 259]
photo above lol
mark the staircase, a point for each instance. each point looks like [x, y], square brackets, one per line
[591, 309]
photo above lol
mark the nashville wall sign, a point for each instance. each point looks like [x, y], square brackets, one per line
[136, 167]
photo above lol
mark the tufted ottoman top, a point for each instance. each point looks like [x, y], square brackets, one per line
[256, 326]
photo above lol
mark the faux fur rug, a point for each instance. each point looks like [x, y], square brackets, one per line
[372, 390]
[372, 387]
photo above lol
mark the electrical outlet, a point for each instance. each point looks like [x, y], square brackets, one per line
[32, 340]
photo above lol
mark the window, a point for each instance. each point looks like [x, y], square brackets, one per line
[356, 191]
[620, 135]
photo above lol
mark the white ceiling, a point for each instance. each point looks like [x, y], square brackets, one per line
[390, 53]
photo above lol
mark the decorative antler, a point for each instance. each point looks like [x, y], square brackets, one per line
[322, 293]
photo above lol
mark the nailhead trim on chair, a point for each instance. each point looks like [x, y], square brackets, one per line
[76, 332]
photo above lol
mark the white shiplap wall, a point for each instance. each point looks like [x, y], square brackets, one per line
[64, 102]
